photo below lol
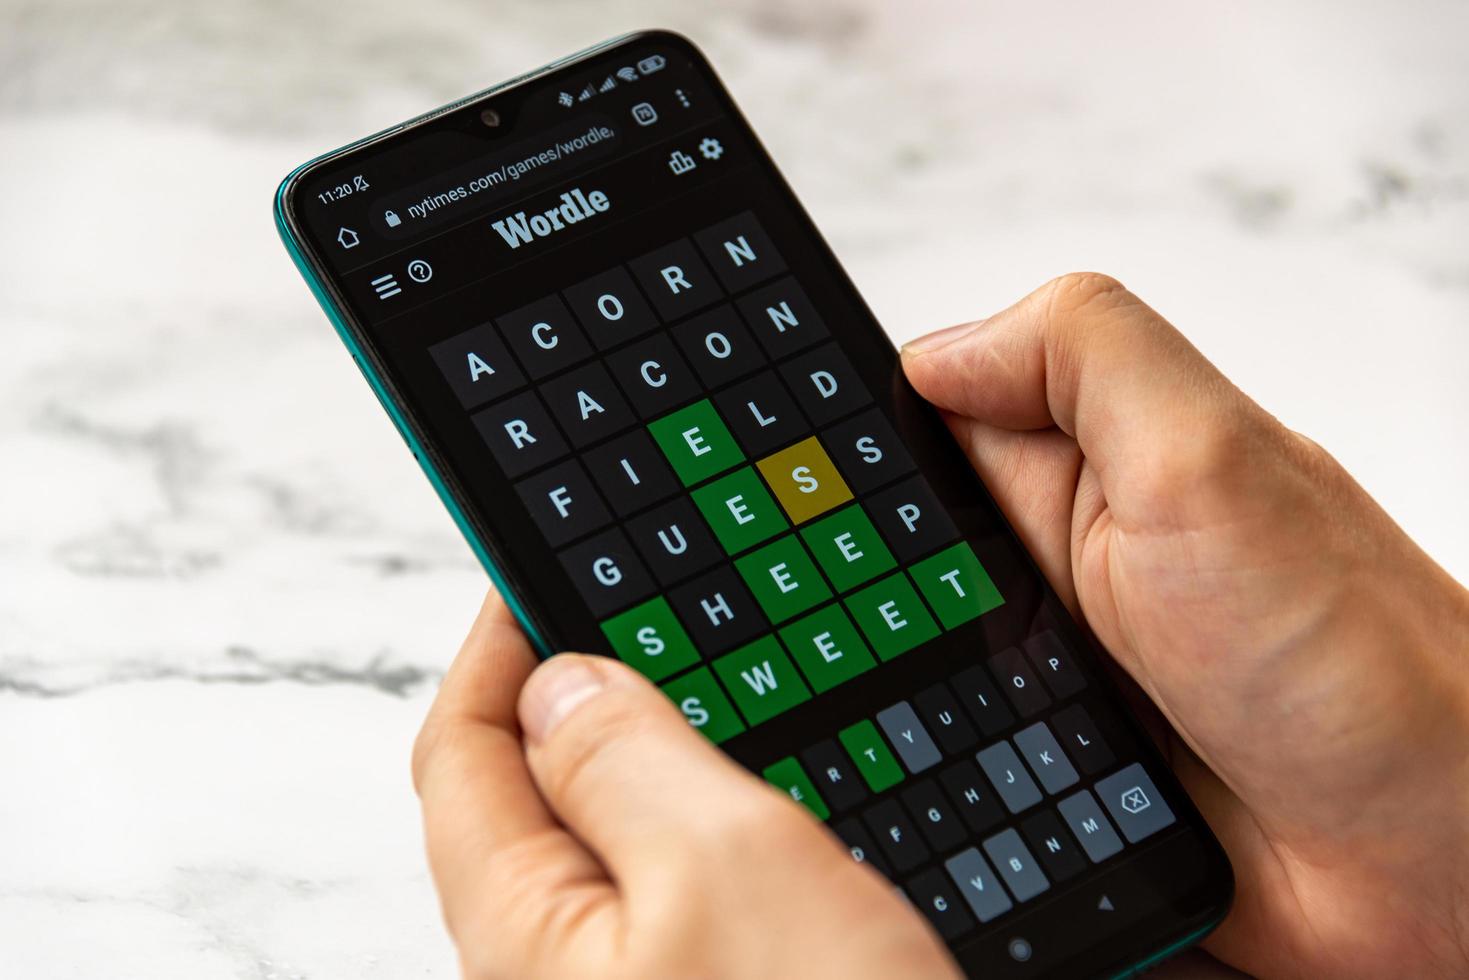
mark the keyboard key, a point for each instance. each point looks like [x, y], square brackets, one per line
[860, 846]
[975, 801]
[761, 680]
[740, 510]
[1038, 747]
[544, 337]
[788, 776]
[520, 434]
[867, 450]
[835, 776]
[902, 727]
[653, 375]
[934, 815]
[1007, 774]
[1134, 802]
[740, 252]
[937, 899]
[477, 365]
[891, 616]
[607, 572]
[804, 480]
[978, 884]
[696, 442]
[719, 346]
[978, 694]
[674, 540]
[610, 308]
[940, 712]
[1019, 682]
[785, 582]
[847, 547]
[956, 585]
[782, 318]
[825, 384]
[870, 753]
[677, 279]
[650, 639]
[631, 472]
[586, 404]
[911, 518]
[1055, 663]
[896, 835]
[1007, 852]
[1082, 741]
[718, 611]
[827, 647]
[704, 705]
[761, 413]
[562, 502]
[1053, 845]
[1085, 819]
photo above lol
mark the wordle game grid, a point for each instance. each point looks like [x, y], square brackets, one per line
[748, 530]
[714, 477]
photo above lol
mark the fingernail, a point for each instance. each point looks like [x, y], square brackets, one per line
[940, 338]
[559, 687]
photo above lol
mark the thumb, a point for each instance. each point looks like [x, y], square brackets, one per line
[624, 770]
[1084, 354]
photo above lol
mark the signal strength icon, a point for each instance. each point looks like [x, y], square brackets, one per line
[586, 93]
[628, 74]
[565, 99]
[608, 84]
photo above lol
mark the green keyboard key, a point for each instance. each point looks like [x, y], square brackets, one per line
[788, 775]
[874, 761]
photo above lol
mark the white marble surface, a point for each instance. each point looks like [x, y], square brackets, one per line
[226, 592]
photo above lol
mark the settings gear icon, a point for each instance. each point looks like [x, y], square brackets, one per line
[710, 148]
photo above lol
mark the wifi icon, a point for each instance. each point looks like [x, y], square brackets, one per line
[628, 74]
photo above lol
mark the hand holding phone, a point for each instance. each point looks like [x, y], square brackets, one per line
[674, 435]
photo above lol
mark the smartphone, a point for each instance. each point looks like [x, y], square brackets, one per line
[673, 433]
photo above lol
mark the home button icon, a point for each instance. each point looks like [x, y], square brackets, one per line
[347, 238]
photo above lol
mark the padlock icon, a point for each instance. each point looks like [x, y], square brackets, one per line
[391, 217]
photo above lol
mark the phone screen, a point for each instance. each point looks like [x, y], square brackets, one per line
[678, 437]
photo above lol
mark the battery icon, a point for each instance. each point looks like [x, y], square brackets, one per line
[652, 63]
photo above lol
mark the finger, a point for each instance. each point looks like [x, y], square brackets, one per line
[1033, 477]
[625, 771]
[1084, 354]
[493, 846]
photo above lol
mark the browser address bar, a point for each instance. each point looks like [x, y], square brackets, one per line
[487, 179]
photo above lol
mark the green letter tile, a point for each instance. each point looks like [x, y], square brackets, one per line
[651, 639]
[891, 616]
[696, 442]
[783, 578]
[956, 585]
[698, 696]
[761, 680]
[848, 548]
[827, 647]
[740, 510]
